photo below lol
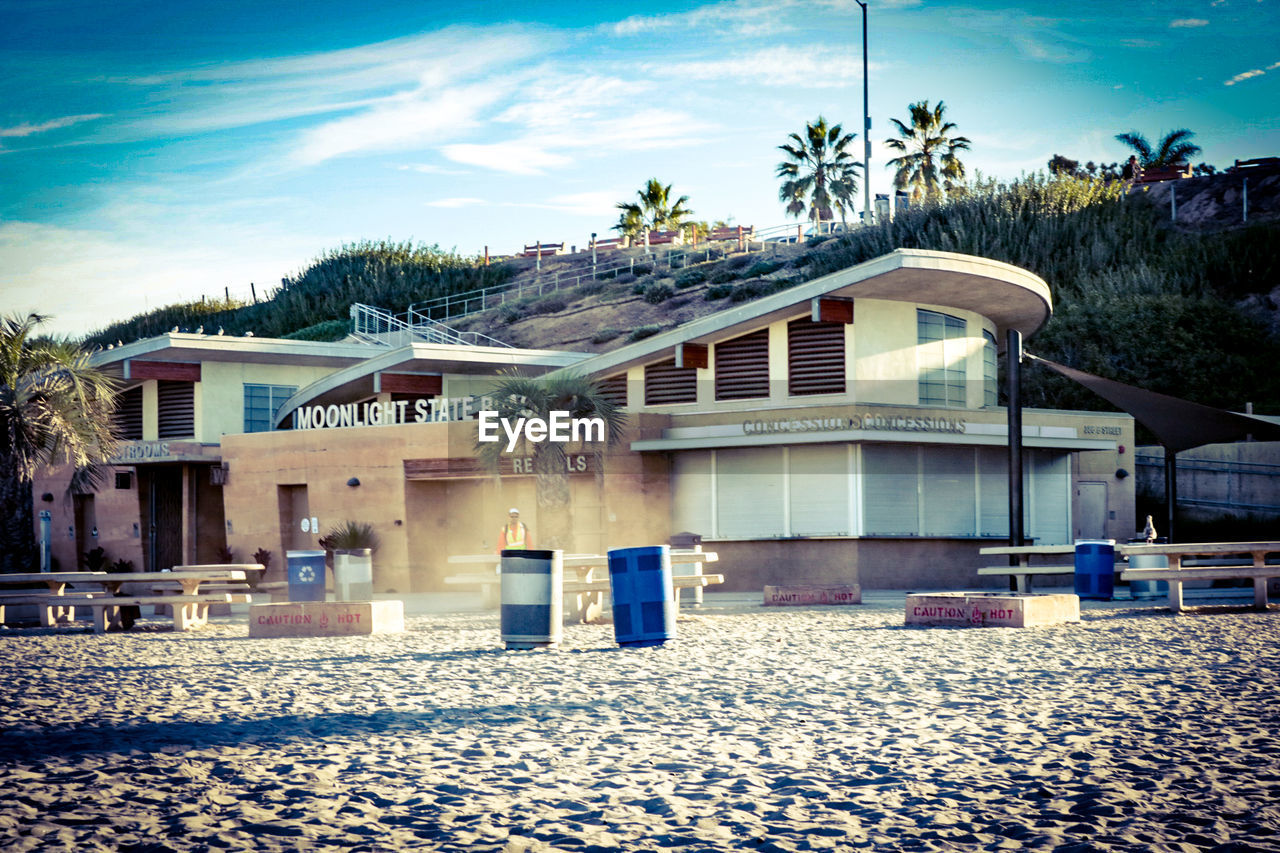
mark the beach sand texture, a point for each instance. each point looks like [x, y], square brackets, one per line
[824, 728]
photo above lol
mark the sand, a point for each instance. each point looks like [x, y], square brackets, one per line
[822, 728]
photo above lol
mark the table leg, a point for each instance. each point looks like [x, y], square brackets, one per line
[1175, 596]
[1259, 593]
[190, 615]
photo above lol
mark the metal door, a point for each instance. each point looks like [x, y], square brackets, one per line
[1091, 511]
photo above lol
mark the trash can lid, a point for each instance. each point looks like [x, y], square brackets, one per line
[1095, 542]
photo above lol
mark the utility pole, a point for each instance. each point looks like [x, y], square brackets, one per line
[866, 125]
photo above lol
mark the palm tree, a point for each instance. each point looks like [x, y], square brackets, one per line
[653, 212]
[54, 408]
[516, 397]
[928, 153]
[1175, 147]
[820, 170]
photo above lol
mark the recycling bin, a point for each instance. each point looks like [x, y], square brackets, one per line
[532, 596]
[306, 575]
[353, 574]
[644, 604]
[1095, 569]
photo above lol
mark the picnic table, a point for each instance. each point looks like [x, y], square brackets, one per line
[181, 591]
[1023, 572]
[1206, 564]
[52, 612]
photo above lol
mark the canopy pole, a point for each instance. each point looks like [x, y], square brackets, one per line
[1013, 378]
[1170, 490]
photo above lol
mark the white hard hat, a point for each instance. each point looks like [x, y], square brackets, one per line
[513, 511]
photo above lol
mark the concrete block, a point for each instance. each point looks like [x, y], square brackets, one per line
[326, 618]
[992, 609]
[777, 596]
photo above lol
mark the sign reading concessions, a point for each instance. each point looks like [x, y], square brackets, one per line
[890, 423]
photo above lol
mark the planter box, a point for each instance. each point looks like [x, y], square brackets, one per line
[991, 609]
[781, 596]
[326, 618]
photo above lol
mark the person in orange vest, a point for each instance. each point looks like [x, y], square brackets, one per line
[514, 533]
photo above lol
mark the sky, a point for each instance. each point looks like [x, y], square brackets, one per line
[152, 153]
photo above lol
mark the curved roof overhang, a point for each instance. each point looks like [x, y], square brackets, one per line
[1009, 296]
[360, 381]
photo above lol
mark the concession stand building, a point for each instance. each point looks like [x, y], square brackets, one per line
[843, 430]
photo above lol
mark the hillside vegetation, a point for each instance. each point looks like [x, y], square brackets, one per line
[315, 303]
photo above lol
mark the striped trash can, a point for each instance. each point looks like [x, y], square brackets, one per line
[644, 604]
[532, 598]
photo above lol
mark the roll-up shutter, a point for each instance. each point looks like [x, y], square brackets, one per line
[176, 409]
[815, 357]
[819, 485]
[948, 494]
[691, 493]
[750, 493]
[666, 383]
[890, 490]
[742, 367]
[1049, 509]
[614, 389]
[127, 418]
[993, 492]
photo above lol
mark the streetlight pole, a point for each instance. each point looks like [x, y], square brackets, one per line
[866, 124]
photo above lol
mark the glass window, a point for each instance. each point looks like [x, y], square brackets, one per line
[990, 386]
[261, 402]
[941, 356]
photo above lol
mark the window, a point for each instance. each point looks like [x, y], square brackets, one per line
[940, 339]
[176, 409]
[815, 357]
[742, 367]
[666, 383]
[261, 402]
[990, 384]
[127, 417]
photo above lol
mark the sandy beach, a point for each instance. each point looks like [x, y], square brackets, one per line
[779, 729]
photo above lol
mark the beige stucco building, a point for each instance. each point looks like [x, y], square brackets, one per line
[844, 430]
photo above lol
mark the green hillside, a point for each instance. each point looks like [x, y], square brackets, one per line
[314, 304]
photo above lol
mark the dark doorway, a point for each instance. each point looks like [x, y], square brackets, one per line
[164, 517]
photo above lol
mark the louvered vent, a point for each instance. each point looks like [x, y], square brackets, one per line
[742, 367]
[128, 415]
[815, 353]
[614, 389]
[666, 383]
[177, 411]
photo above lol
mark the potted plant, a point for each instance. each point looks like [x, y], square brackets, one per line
[351, 546]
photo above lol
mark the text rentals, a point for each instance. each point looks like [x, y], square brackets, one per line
[560, 428]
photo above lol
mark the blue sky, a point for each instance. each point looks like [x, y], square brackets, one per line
[153, 152]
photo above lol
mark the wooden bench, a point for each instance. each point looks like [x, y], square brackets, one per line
[1023, 572]
[1169, 173]
[1181, 569]
[542, 250]
[658, 238]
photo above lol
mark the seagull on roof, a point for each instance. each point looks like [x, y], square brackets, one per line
[199, 330]
[248, 334]
[220, 331]
[174, 329]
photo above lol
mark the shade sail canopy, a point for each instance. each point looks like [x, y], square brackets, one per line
[1177, 424]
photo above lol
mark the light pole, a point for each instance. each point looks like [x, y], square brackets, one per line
[866, 125]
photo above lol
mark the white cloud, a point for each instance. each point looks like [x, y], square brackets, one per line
[1188, 23]
[517, 157]
[813, 67]
[1244, 75]
[26, 129]
[594, 203]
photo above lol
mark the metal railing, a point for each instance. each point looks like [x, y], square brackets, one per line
[379, 326]
[541, 283]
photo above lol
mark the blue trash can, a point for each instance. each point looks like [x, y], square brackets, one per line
[644, 606]
[532, 598]
[306, 575]
[1095, 568]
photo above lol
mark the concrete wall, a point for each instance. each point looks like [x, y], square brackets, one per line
[1218, 479]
